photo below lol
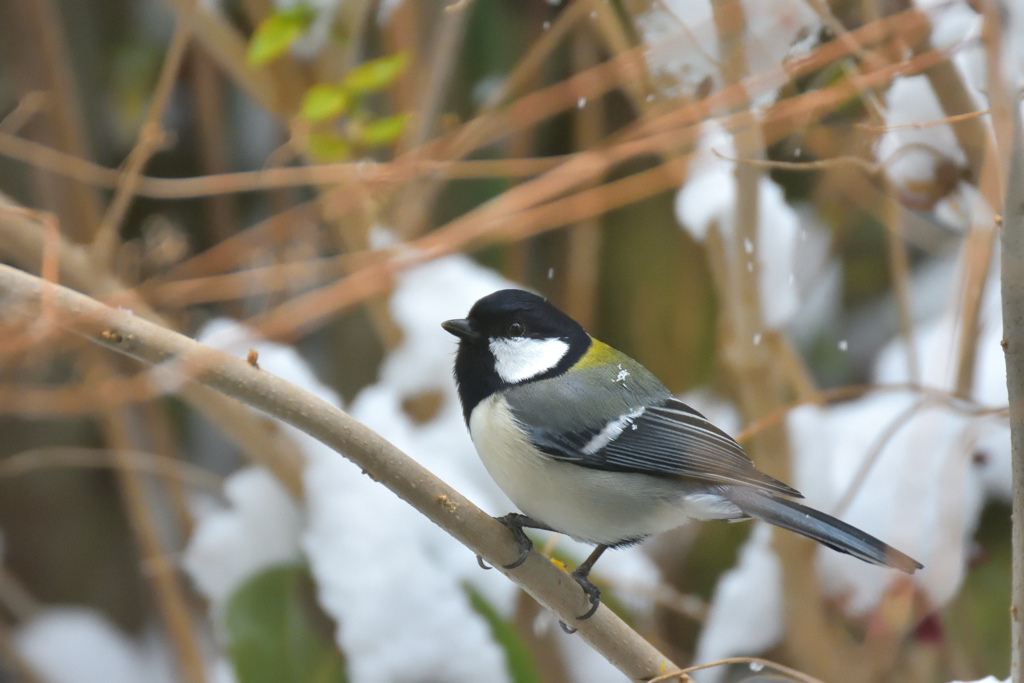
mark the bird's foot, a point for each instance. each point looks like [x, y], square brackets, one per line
[515, 522]
[582, 577]
[592, 591]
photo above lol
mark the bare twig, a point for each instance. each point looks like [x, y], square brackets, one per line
[168, 592]
[151, 139]
[28, 106]
[228, 48]
[871, 457]
[139, 461]
[899, 269]
[755, 663]
[41, 46]
[23, 239]
[855, 390]
[924, 124]
[583, 255]
[1013, 345]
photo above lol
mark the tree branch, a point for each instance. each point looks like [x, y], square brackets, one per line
[122, 331]
[1013, 345]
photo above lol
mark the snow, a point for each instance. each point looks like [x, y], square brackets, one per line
[921, 494]
[708, 200]
[79, 645]
[912, 100]
[683, 45]
[745, 614]
[258, 529]
[912, 155]
[935, 467]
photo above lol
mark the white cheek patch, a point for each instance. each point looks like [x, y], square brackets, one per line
[521, 358]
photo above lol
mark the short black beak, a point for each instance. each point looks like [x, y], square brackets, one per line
[461, 328]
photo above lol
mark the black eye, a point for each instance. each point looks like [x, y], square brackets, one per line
[516, 329]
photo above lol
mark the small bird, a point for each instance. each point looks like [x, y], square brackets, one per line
[587, 442]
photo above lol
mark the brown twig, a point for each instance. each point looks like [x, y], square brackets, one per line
[40, 50]
[899, 270]
[138, 461]
[28, 106]
[151, 138]
[857, 390]
[758, 662]
[1012, 271]
[23, 239]
[223, 42]
[925, 124]
[168, 593]
[583, 250]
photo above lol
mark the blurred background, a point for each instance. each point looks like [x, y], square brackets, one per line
[786, 209]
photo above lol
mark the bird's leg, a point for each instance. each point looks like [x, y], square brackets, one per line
[515, 523]
[581, 576]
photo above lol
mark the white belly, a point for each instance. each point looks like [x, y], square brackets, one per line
[590, 505]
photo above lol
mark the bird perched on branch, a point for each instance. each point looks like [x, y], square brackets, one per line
[587, 442]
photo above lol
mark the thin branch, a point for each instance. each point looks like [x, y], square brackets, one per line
[126, 333]
[924, 124]
[899, 269]
[28, 106]
[881, 441]
[869, 167]
[105, 458]
[151, 139]
[755, 663]
[23, 239]
[47, 40]
[398, 171]
[1013, 346]
[164, 582]
[855, 390]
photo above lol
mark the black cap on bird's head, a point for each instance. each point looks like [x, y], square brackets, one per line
[510, 337]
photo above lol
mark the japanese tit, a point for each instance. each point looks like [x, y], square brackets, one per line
[587, 442]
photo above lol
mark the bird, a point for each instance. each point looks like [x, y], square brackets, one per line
[587, 442]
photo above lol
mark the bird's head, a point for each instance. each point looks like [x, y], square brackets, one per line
[510, 337]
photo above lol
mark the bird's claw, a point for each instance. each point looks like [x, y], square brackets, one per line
[514, 524]
[483, 565]
[592, 591]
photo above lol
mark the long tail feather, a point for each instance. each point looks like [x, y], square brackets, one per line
[820, 527]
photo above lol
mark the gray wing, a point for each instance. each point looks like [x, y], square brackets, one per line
[666, 439]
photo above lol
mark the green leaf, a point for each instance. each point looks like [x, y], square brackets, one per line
[323, 102]
[278, 634]
[380, 132]
[376, 74]
[521, 666]
[327, 147]
[276, 33]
